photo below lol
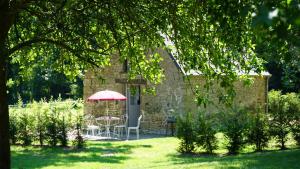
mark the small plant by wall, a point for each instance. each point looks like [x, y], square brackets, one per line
[205, 131]
[234, 125]
[186, 133]
[195, 131]
[258, 130]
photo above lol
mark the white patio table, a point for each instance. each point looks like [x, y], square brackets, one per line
[107, 120]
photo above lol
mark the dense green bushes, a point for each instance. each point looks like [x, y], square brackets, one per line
[78, 142]
[234, 124]
[258, 131]
[242, 126]
[205, 130]
[284, 113]
[293, 107]
[186, 133]
[279, 117]
[45, 122]
[196, 133]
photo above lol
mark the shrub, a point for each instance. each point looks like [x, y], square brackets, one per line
[26, 128]
[293, 108]
[186, 134]
[234, 126]
[62, 132]
[296, 131]
[13, 128]
[258, 130]
[43, 121]
[79, 142]
[40, 120]
[51, 127]
[280, 118]
[205, 132]
[63, 122]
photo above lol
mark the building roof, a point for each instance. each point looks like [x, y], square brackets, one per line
[173, 53]
[251, 73]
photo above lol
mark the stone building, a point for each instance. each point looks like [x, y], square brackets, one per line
[173, 95]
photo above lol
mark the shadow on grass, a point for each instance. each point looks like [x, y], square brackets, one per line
[267, 159]
[95, 152]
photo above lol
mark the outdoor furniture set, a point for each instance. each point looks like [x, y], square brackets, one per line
[109, 122]
[111, 127]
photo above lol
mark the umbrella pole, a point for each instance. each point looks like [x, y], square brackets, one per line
[108, 121]
[107, 108]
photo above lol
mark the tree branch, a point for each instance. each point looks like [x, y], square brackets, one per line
[59, 44]
[16, 6]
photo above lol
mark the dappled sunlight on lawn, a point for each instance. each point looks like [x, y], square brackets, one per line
[95, 152]
[268, 159]
[153, 153]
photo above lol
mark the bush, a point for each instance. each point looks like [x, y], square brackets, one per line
[280, 117]
[205, 133]
[42, 121]
[296, 131]
[62, 132]
[258, 130]
[186, 134]
[13, 128]
[234, 126]
[26, 128]
[293, 108]
[51, 127]
[79, 142]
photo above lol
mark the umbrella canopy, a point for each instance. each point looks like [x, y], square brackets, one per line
[106, 95]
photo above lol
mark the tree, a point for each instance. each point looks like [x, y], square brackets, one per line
[39, 83]
[277, 30]
[280, 117]
[210, 36]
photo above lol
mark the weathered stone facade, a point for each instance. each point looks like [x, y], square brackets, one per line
[102, 79]
[174, 93]
[254, 96]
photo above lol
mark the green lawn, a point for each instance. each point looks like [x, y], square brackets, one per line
[148, 153]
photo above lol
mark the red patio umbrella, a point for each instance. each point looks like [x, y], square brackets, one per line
[106, 95]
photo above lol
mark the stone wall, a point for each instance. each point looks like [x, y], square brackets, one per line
[173, 96]
[254, 96]
[155, 108]
[102, 79]
[169, 96]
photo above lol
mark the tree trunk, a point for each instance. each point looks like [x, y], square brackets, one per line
[4, 117]
[5, 23]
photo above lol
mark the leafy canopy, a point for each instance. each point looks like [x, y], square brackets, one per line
[277, 35]
[213, 37]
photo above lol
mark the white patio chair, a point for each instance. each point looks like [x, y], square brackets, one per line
[95, 130]
[119, 129]
[135, 128]
[91, 127]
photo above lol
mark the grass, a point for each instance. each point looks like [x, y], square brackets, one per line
[156, 153]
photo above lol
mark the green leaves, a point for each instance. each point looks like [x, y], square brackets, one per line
[284, 111]
[211, 37]
[277, 37]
